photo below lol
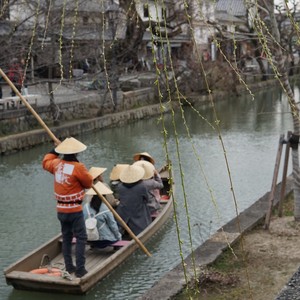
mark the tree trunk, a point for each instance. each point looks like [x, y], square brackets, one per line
[135, 29]
[284, 79]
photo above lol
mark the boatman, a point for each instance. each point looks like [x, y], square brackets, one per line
[71, 178]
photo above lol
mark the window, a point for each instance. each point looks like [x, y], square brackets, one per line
[85, 20]
[146, 11]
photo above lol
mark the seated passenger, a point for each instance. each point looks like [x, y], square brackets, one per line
[145, 156]
[152, 181]
[133, 196]
[115, 178]
[97, 175]
[107, 226]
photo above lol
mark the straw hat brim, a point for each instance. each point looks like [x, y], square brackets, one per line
[70, 146]
[101, 188]
[137, 157]
[148, 167]
[132, 174]
[116, 170]
[95, 172]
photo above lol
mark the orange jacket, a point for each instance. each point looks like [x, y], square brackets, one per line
[71, 178]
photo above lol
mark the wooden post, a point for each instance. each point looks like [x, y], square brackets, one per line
[275, 175]
[284, 174]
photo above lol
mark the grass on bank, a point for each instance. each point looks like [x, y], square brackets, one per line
[226, 278]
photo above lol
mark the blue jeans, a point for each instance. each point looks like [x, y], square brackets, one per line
[73, 225]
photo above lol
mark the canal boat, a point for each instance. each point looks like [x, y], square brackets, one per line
[99, 263]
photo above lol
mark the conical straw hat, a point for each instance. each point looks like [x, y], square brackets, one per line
[116, 170]
[95, 172]
[70, 146]
[101, 188]
[147, 166]
[137, 156]
[132, 174]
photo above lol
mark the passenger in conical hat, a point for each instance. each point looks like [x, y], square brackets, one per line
[97, 173]
[116, 170]
[115, 178]
[106, 225]
[132, 174]
[144, 156]
[133, 197]
[71, 178]
[153, 182]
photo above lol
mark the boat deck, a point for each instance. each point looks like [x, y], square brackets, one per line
[93, 257]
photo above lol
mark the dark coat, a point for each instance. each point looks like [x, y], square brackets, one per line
[133, 208]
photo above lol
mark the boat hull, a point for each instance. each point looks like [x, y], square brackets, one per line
[98, 265]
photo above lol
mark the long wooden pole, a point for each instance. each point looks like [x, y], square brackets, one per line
[56, 140]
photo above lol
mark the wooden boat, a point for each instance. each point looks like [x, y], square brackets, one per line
[99, 263]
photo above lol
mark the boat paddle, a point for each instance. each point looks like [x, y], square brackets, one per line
[57, 141]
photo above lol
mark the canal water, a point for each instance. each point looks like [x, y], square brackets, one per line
[249, 130]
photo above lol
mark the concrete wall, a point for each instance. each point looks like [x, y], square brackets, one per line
[14, 120]
[28, 139]
[19, 129]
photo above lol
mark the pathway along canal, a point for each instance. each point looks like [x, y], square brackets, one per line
[250, 131]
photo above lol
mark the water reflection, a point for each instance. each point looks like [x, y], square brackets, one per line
[250, 131]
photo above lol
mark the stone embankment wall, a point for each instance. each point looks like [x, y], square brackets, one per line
[89, 106]
[20, 129]
[75, 117]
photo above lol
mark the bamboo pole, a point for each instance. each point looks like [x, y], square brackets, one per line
[57, 141]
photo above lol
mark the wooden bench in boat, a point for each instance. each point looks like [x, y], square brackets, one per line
[164, 199]
[15, 101]
[119, 244]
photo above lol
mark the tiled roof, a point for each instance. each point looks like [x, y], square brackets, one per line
[180, 38]
[232, 7]
[225, 17]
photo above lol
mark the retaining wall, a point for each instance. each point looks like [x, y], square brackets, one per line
[28, 139]
[20, 129]
[67, 109]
